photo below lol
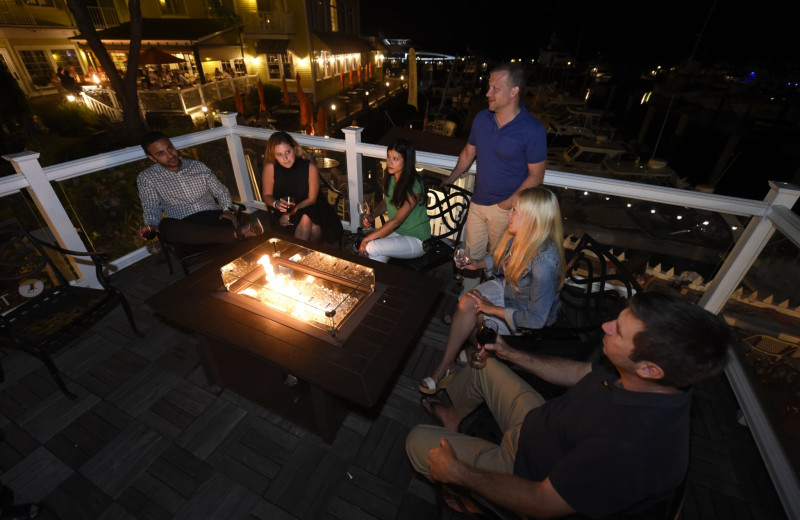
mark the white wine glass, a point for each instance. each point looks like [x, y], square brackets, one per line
[363, 212]
[289, 200]
[461, 258]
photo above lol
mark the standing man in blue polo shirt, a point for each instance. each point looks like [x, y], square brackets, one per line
[510, 145]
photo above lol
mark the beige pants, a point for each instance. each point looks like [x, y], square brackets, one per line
[483, 229]
[508, 397]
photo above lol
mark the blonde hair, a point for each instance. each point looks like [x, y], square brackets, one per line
[283, 138]
[540, 217]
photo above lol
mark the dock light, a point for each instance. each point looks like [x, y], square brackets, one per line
[70, 98]
[734, 228]
[204, 109]
[705, 222]
[652, 211]
[387, 83]
[629, 204]
[333, 107]
[679, 217]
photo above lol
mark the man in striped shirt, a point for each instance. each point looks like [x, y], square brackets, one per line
[184, 200]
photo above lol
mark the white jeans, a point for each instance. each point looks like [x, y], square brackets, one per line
[394, 246]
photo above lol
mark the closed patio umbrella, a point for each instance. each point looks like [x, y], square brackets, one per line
[237, 98]
[351, 78]
[262, 107]
[155, 56]
[322, 121]
[341, 78]
[285, 90]
[359, 74]
[306, 109]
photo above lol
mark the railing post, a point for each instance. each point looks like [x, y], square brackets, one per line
[355, 175]
[45, 198]
[236, 151]
[747, 248]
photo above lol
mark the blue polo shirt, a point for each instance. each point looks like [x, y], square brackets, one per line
[503, 154]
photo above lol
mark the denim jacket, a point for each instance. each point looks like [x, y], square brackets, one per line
[537, 303]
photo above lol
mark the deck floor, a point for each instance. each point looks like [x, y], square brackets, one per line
[149, 438]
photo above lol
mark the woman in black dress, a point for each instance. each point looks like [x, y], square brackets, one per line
[288, 172]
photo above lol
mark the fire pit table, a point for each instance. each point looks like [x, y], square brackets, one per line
[302, 330]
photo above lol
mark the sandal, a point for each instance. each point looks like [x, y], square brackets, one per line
[429, 386]
[462, 358]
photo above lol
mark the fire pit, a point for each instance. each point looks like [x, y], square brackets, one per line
[320, 293]
[306, 357]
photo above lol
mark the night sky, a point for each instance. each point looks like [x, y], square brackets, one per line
[750, 35]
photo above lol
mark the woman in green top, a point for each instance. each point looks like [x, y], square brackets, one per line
[404, 201]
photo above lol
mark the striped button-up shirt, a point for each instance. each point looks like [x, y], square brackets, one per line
[191, 189]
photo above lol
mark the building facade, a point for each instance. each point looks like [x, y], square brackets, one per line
[318, 42]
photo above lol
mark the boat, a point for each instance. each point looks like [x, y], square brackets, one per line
[606, 158]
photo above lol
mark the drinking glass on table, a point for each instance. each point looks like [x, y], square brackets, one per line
[461, 258]
[486, 334]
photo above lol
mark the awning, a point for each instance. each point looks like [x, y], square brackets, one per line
[220, 52]
[341, 43]
[271, 46]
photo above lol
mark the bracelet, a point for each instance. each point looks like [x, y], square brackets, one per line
[275, 204]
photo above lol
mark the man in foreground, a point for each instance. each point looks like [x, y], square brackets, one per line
[184, 201]
[617, 441]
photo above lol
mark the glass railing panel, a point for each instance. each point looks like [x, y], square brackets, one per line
[104, 206]
[765, 315]
[672, 245]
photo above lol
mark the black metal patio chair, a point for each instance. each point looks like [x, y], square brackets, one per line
[447, 210]
[41, 306]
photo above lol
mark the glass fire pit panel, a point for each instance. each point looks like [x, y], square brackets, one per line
[316, 288]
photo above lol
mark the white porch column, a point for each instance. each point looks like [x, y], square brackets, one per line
[355, 174]
[236, 150]
[45, 198]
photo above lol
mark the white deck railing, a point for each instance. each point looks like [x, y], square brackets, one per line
[767, 216]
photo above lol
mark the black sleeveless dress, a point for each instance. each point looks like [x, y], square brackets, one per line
[294, 182]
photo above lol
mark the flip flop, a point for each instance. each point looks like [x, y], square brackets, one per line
[429, 387]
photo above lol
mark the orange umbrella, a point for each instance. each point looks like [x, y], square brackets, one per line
[351, 78]
[322, 121]
[285, 90]
[262, 107]
[369, 70]
[359, 74]
[237, 98]
[341, 78]
[306, 109]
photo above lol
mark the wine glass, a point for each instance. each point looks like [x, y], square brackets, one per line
[486, 334]
[363, 212]
[289, 200]
[460, 257]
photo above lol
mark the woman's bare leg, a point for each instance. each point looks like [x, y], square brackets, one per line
[303, 229]
[462, 327]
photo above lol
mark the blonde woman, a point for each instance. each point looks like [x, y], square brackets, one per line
[528, 265]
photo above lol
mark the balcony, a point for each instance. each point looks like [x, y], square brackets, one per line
[733, 256]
